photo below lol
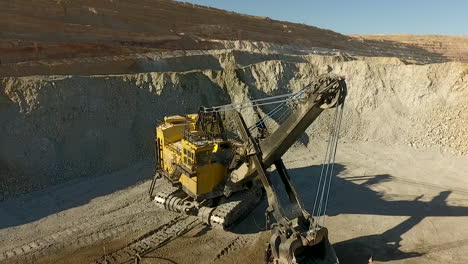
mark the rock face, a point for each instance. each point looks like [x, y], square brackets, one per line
[83, 83]
[51, 29]
[453, 48]
[54, 128]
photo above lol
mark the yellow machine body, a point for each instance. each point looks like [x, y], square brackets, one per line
[198, 173]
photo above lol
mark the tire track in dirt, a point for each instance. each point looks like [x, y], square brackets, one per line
[77, 236]
[151, 241]
[236, 244]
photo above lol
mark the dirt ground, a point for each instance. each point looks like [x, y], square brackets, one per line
[394, 204]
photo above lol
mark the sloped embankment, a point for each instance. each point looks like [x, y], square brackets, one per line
[55, 128]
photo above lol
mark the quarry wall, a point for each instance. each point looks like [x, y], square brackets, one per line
[55, 128]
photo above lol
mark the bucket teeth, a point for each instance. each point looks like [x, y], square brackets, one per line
[299, 248]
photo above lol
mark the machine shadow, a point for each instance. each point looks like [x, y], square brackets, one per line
[349, 197]
[42, 203]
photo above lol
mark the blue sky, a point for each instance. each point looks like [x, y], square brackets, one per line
[448, 17]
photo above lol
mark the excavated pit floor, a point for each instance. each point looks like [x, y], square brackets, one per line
[394, 204]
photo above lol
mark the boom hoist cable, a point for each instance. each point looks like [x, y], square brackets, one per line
[327, 172]
[290, 97]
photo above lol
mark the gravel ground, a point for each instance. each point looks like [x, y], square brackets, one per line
[394, 204]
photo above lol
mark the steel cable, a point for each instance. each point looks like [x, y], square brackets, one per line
[340, 117]
[223, 108]
[326, 175]
[319, 186]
